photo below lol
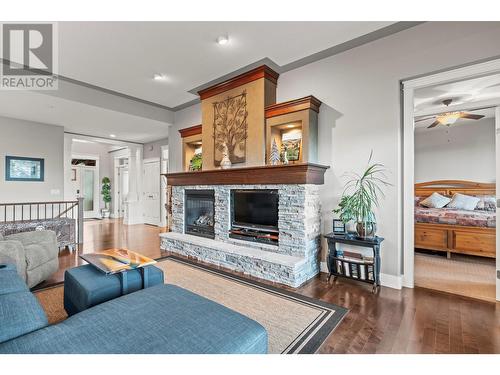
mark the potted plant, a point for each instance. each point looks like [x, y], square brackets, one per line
[360, 197]
[106, 196]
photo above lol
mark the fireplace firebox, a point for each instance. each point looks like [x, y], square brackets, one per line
[199, 213]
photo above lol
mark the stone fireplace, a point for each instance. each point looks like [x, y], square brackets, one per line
[199, 212]
[291, 260]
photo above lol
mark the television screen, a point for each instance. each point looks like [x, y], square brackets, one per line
[255, 208]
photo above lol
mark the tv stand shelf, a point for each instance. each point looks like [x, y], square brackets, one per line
[254, 236]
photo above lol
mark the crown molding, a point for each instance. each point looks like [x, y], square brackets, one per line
[262, 71]
[188, 132]
[308, 102]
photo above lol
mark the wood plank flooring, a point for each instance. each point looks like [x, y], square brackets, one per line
[393, 321]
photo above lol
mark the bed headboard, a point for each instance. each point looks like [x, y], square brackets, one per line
[450, 187]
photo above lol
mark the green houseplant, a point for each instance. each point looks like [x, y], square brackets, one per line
[106, 196]
[361, 196]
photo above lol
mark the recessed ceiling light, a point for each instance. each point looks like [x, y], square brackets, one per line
[223, 39]
[112, 135]
[159, 77]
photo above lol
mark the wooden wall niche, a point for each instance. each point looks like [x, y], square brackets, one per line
[295, 121]
[259, 88]
[191, 142]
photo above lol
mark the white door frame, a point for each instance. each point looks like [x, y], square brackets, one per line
[409, 87]
[163, 188]
[97, 183]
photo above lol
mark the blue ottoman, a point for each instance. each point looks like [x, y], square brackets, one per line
[86, 286]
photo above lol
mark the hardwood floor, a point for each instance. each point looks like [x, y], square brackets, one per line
[393, 321]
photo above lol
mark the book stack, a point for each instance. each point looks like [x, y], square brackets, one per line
[354, 265]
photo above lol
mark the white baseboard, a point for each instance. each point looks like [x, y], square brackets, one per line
[390, 281]
[323, 267]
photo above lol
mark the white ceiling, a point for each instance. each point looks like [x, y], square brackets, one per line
[123, 56]
[80, 118]
[465, 92]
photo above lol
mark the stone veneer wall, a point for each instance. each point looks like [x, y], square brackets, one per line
[299, 221]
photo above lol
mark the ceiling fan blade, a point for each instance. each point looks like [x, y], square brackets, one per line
[434, 124]
[471, 116]
[425, 118]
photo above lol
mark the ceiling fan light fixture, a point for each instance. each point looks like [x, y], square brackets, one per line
[449, 118]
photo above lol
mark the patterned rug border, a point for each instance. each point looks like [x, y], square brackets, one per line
[310, 340]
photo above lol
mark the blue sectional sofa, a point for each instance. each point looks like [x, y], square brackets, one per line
[160, 319]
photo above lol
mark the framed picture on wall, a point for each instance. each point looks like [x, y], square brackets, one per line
[19, 168]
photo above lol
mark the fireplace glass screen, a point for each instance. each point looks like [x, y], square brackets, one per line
[199, 213]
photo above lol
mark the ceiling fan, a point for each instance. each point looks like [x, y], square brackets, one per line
[449, 118]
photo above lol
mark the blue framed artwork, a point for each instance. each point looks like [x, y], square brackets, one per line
[19, 168]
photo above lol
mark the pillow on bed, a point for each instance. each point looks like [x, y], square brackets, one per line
[487, 203]
[435, 200]
[463, 202]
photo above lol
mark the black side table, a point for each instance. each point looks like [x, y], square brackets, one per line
[354, 269]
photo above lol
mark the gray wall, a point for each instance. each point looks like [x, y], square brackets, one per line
[185, 118]
[153, 149]
[458, 152]
[361, 110]
[31, 139]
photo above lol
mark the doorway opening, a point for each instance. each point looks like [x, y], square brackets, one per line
[451, 137]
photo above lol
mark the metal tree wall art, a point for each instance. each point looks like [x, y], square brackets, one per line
[230, 128]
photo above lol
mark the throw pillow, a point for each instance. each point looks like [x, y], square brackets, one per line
[487, 203]
[463, 202]
[435, 200]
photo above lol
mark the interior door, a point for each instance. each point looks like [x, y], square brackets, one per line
[151, 192]
[86, 185]
[122, 190]
[497, 132]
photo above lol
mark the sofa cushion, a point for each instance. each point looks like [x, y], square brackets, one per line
[36, 275]
[161, 319]
[39, 246]
[86, 286]
[10, 282]
[20, 311]
[15, 251]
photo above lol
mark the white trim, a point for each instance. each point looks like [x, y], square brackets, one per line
[479, 69]
[323, 267]
[391, 281]
[151, 160]
[409, 87]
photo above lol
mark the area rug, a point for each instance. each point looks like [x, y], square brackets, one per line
[462, 275]
[295, 323]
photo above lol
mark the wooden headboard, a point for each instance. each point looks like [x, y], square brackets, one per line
[450, 187]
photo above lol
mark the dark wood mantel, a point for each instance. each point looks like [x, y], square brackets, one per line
[306, 173]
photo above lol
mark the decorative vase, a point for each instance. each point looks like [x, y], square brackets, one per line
[225, 163]
[366, 229]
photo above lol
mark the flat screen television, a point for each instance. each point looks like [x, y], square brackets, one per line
[255, 209]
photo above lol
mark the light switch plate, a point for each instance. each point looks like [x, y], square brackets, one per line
[55, 192]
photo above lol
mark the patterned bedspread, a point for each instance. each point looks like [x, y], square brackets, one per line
[476, 218]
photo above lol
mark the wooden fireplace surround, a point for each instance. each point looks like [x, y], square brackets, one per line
[305, 173]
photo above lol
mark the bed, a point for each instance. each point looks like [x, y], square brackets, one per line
[451, 230]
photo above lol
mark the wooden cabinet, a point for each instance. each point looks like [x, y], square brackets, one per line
[431, 238]
[456, 239]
